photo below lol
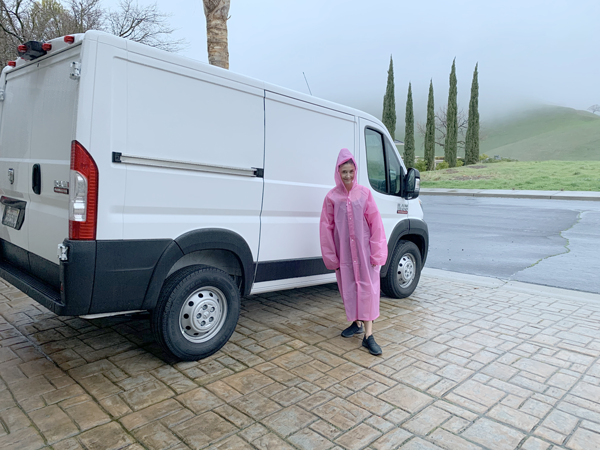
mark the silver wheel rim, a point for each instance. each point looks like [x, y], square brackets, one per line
[203, 314]
[406, 270]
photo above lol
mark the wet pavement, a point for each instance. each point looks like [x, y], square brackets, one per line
[547, 242]
[468, 363]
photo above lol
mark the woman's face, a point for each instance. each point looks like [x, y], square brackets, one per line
[347, 172]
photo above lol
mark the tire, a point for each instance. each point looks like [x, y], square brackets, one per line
[404, 271]
[196, 312]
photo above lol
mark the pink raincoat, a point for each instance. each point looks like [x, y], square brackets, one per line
[353, 240]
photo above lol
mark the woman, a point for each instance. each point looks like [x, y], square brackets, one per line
[353, 243]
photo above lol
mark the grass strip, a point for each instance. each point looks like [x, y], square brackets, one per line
[521, 175]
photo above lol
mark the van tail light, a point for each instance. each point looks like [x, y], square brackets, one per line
[83, 194]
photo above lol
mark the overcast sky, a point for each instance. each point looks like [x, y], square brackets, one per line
[529, 51]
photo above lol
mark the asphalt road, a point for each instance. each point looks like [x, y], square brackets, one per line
[548, 242]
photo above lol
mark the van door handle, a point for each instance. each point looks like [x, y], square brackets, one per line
[36, 179]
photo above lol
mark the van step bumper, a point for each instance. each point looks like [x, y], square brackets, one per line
[97, 276]
[47, 282]
[43, 293]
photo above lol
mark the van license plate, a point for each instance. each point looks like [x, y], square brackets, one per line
[10, 218]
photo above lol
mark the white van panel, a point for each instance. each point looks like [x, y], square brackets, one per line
[166, 203]
[220, 123]
[87, 104]
[105, 130]
[192, 116]
[186, 65]
[298, 135]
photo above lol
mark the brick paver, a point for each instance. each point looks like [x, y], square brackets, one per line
[465, 366]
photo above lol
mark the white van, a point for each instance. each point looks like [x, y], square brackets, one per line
[176, 187]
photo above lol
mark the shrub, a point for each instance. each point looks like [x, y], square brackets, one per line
[494, 160]
[442, 165]
[459, 163]
[483, 157]
[421, 165]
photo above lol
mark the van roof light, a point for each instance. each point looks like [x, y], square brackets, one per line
[69, 39]
[47, 47]
[12, 63]
[31, 50]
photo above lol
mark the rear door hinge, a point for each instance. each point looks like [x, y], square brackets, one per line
[75, 70]
[63, 252]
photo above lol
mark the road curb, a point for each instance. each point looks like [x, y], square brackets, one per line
[547, 195]
[512, 286]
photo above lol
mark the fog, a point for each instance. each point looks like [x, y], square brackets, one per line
[529, 51]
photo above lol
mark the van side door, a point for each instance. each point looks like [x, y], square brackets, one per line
[301, 146]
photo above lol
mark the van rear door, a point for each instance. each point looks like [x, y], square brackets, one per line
[36, 130]
[16, 122]
[52, 132]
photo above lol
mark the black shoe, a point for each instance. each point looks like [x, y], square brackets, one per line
[374, 348]
[352, 330]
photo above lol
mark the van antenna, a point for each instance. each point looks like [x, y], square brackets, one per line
[307, 83]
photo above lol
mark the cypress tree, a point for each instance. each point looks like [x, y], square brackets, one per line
[388, 116]
[409, 131]
[472, 138]
[451, 143]
[430, 131]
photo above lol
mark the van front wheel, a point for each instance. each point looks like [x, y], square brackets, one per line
[196, 313]
[404, 271]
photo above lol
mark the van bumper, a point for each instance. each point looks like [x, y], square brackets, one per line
[97, 277]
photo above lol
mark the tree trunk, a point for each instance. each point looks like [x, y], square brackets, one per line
[217, 14]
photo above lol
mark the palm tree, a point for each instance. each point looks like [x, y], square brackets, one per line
[217, 14]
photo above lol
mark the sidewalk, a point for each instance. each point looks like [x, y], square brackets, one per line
[554, 195]
[469, 363]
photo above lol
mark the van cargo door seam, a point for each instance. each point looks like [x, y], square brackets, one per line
[262, 199]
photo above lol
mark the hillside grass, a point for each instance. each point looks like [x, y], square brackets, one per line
[548, 133]
[521, 175]
[545, 134]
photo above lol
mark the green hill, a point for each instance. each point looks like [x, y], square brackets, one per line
[547, 133]
[542, 134]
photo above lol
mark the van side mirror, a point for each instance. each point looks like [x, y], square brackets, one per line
[412, 184]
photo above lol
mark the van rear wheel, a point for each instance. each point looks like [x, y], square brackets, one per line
[404, 271]
[196, 313]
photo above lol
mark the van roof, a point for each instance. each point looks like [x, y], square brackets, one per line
[59, 44]
[183, 61]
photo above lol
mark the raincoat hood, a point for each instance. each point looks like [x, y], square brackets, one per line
[343, 157]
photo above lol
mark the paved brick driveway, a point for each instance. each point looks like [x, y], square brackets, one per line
[465, 366]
